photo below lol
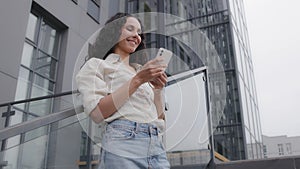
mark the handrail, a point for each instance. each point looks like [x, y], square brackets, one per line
[36, 123]
[39, 98]
[186, 74]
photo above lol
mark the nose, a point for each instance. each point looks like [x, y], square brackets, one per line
[137, 36]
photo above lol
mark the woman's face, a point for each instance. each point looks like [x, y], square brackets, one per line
[130, 37]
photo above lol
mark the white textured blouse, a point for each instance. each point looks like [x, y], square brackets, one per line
[98, 78]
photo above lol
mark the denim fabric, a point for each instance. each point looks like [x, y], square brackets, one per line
[131, 145]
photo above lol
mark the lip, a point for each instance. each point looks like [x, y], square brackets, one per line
[135, 41]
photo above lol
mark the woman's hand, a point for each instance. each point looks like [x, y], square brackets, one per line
[159, 82]
[152, 72]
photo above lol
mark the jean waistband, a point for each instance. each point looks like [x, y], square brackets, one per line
[135, 126]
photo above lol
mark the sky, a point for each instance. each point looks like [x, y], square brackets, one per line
[274, 34]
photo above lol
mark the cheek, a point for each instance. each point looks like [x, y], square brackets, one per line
[122, 37]
[124, 34]
[140, 39]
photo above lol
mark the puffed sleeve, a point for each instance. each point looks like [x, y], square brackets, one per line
[91, 84]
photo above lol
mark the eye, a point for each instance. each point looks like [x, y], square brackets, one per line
[130, 28]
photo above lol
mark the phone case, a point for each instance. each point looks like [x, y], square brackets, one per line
[165, 55]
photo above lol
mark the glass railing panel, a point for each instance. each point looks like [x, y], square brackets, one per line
[187, 121]
[33, 109]
[58, 145]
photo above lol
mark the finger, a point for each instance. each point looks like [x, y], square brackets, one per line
[165, 75]
[157, 70]
[162, 80]
[154, 84]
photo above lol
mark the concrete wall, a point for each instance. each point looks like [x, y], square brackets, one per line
[13, 16]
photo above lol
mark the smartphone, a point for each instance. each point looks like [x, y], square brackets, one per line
[165, 55]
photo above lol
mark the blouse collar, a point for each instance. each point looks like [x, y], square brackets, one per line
[115, 58]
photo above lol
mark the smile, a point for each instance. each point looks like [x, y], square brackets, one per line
[132, 41]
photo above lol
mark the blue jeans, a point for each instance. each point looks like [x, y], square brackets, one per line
[131, 145]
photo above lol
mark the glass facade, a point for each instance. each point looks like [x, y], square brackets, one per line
[245, 78]
[237, 130]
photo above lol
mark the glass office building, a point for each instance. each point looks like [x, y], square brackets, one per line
[38, 57]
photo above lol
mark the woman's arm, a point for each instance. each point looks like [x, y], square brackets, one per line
[159, 103]
[109, 104]
[158, 85]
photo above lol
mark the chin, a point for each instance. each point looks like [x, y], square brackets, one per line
[131, 50]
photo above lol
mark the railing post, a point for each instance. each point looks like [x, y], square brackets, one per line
[4, 142]
[6, 124]
[89, 145]
[211, 164]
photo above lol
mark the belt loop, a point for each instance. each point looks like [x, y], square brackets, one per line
[149, 131]
[152, 130]
[136, 127]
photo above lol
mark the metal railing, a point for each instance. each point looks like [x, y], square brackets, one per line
[10, 131]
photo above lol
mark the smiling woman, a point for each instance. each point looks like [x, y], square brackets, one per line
[115, 92]
[130, 38]
[110, 35]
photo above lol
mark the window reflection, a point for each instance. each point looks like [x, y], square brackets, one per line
[48, 37]
[42, 86]
[23, 84]
[27, 55]
[31, 27]
[45, 65]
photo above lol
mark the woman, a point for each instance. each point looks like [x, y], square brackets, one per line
[126, 96]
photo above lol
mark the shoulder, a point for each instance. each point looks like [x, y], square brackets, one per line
[92, 63]
[91, 66]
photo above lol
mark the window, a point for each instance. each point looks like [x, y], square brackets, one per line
[94, 9]
[280, 149]
[289, 148]
[265, 151]
[40, 56]
[38, 69]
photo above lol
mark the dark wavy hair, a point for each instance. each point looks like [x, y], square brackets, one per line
[109, 35]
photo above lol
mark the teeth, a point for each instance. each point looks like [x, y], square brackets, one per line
[132, 41]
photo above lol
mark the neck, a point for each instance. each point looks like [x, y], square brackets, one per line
[125, 59]
[123, 56]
